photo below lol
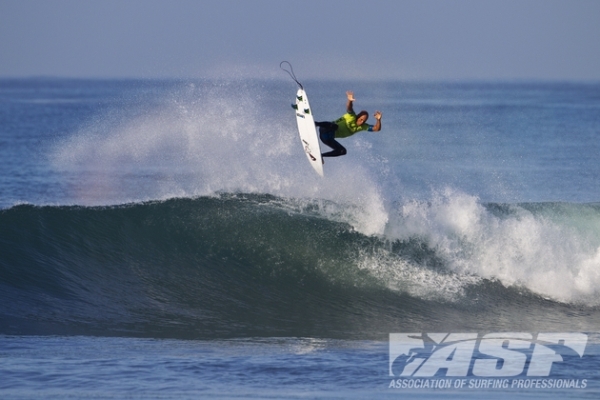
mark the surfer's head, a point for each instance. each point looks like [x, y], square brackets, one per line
[362, 117]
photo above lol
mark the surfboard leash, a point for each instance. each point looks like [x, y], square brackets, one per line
[290, 72]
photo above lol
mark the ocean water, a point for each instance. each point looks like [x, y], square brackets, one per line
[168, 239]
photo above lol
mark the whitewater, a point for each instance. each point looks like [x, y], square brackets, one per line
[185, 212]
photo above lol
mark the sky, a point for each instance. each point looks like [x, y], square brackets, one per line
[328, 39]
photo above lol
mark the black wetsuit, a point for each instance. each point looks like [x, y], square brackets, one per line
[327, 135]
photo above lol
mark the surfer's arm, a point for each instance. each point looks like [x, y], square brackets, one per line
[350, 95]
[377, 126]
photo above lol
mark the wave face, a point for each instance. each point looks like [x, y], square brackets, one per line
[240, 265]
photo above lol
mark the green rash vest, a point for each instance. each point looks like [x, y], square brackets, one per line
[347, 126]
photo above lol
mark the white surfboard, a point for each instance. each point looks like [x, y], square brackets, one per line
[308, 131]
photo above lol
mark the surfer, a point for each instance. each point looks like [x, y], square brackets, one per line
[345, 126]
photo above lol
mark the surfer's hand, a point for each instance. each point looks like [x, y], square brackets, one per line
[350, 95]
[377, 115]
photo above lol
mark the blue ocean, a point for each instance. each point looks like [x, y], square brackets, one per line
[169, 239]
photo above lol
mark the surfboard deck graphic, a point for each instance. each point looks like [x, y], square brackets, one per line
[308, 131]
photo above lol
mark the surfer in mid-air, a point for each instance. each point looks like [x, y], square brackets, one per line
[347, 125]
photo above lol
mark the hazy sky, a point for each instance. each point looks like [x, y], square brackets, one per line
[424, 39]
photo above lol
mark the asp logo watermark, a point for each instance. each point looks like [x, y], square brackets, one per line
[416, 357]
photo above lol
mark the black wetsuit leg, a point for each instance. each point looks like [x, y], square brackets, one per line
[327, 135]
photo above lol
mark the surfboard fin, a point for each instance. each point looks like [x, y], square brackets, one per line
[295, 106]
[299, 98]
[306, 111]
